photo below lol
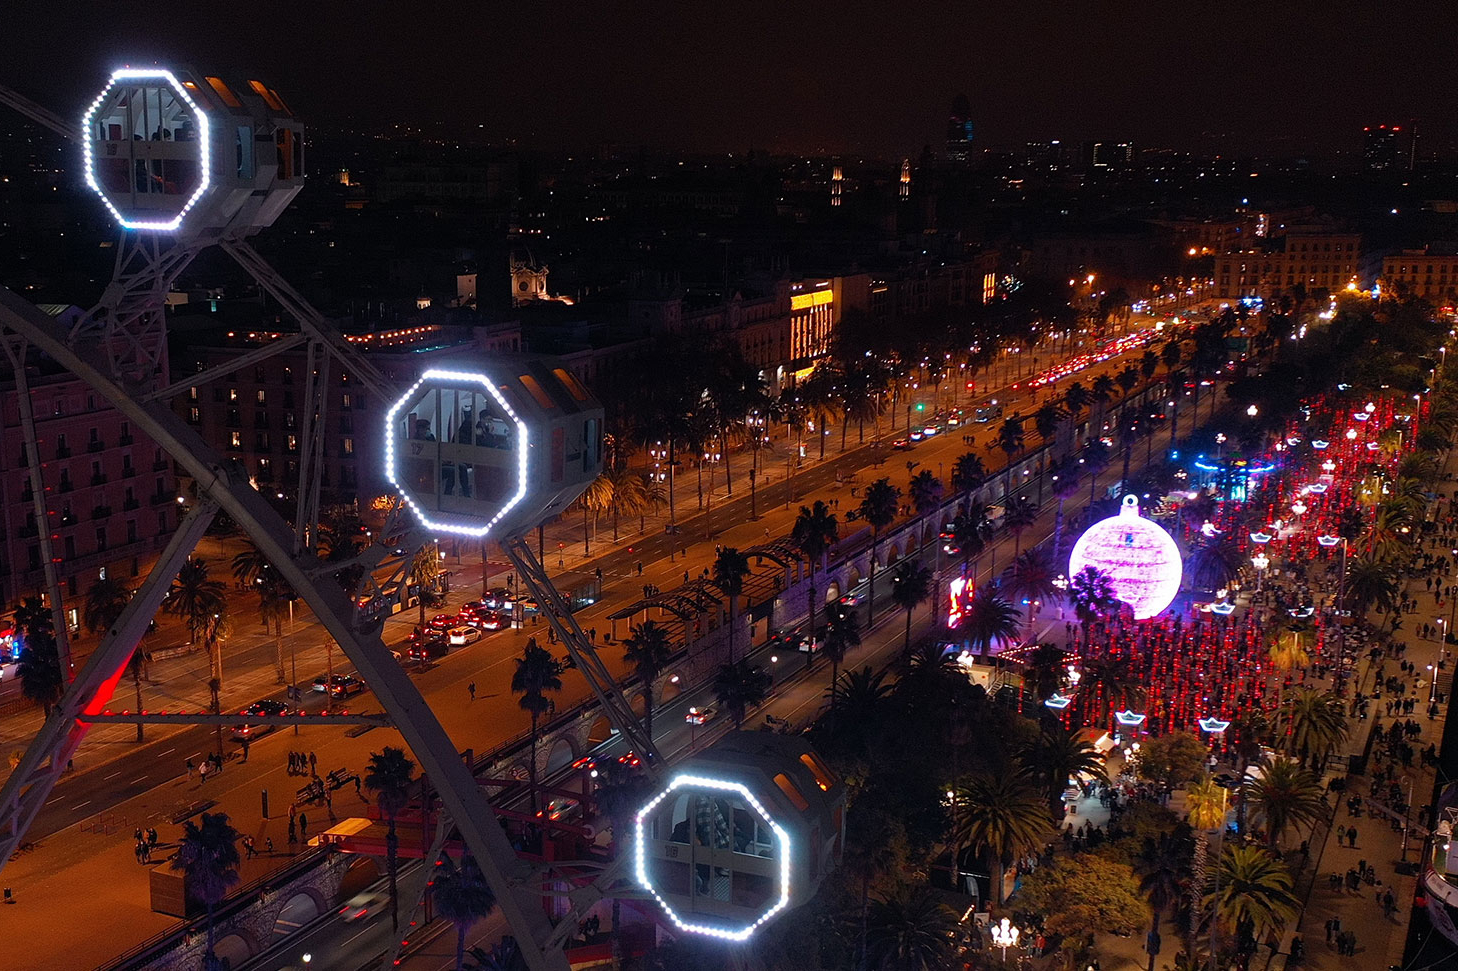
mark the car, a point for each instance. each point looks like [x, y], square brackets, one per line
[441, 622]
[901, 445]
[699, 716]
[490, 620]
[853, 598]
[476, 608]
[931, 430]
[499, 598]
[988, 413]
[916, 435]
[463, 635]
[344, 685]
[433, 646]
[364, 905]
[266, 706]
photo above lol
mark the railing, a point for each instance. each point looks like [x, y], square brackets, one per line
[129, 504]
[241, 899]
[95, 446]
[161, 465]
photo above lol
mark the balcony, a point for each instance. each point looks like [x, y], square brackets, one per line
[160, 499]
[95, 446]
[63, 452]
[161, 465]
[98, 479]
[100, 512]
[129, 504]
[65, 486]
[125, 440]
[128, 472]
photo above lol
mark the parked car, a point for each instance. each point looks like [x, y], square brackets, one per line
[266, 706]
[463, 635]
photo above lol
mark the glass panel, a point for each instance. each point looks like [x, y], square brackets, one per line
[789, 789]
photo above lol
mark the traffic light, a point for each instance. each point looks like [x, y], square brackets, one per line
[921, 406]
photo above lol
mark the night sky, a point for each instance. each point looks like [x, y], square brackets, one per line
[1280, 76]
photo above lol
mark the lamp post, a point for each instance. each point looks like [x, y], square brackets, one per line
[1260, 561]
[1004, 935]
[753, 512]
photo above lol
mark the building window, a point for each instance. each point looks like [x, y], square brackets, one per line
[262, 397]
[131, 530]
[349, 446]
[235, 439]
[293, 443]
[260, 375]
[192, 394]
[194, 416]
[100, 538]
[232, 394]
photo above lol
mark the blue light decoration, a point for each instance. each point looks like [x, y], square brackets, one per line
[1213, 725]
[1305, 611]
[1318, 444]
[1223, 609]
[1140, 558]
[1058, 702]
[1328, 540]
[1261, 537]
[1131, 718]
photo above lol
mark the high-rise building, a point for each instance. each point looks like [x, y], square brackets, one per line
[959, 131]
[1387, 148]
[1113, 155]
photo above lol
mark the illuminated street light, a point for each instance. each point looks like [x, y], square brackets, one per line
[1252, 411]
[1004, 934]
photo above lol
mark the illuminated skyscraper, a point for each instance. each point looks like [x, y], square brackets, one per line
[1386, 148]
[959, 131]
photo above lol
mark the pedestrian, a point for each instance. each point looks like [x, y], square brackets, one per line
[190, 769]
[245, 750]
[1298, 949]
[268, 845]
[313, 763]
[1341, 834]
[303, 826]
[151, 837]
[356, 786]
[640, 568]
[472, 689]
[293, 762]
[1330, 929]
[293, 832]
[1352, 837]
[202, 772]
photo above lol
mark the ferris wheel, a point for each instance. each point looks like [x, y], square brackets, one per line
[489, 447]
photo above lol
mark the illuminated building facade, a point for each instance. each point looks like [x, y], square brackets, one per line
[1422, 273]
[959, 131]
[1313, 260]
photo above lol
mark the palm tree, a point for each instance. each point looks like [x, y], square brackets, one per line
[990, 620]
[424, 570]
[275, 599]
[741, 686]
[1102, 392]
[1075, 398]
[1370, 582]
[1285, 793]
[1215, 562]
[1096, 458]
[105, 600]
[1062, 755]
[653, 497]
[1047, 420]
[41, 678]
[909, 931]
[249, 564]
[968, 473]
[1064, 477]
[878, 507]
[813, 534]
[461, 896]
[842, 633]
[1163, 868]
[1113, 679]
[537, 672]
[198, 600]
[1205, 804]
[730, 569]
[647, 651]
[390, 776]
[620, 793]
[207, 855]
[1031, 580]
[1091, 592]
[1253, 890]
[971, 532]
[1316, 724]
[1001, 815]
[1046, 670]
[1010, 441]
[925, 491]
[1148, 364]
[911, 585]
[1018, 513]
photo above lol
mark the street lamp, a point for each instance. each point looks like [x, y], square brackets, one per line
[1252, 411]
[1260, 561]
[1004, 935]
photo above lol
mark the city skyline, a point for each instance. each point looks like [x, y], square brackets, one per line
[756, 76]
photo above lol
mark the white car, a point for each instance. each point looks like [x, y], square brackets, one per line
[364, 905]
[463, 635]
[699, 716]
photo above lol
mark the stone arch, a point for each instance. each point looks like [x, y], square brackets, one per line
[363, 871]
[301, 907]
[234, 949]
[832, 591]
[669, 687]
[852, 577]
[562, 753]
[600, 731]
[893, 553]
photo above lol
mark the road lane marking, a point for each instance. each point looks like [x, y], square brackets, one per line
[53, 799]
[112, 776]
[169, 751]
[140, 778]
[80, 805]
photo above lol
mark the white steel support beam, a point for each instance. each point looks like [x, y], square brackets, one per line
[239, 363]
[509, 877]
[45, 759]
[582, 651]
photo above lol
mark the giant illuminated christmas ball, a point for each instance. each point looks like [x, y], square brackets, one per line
[1140, 558]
